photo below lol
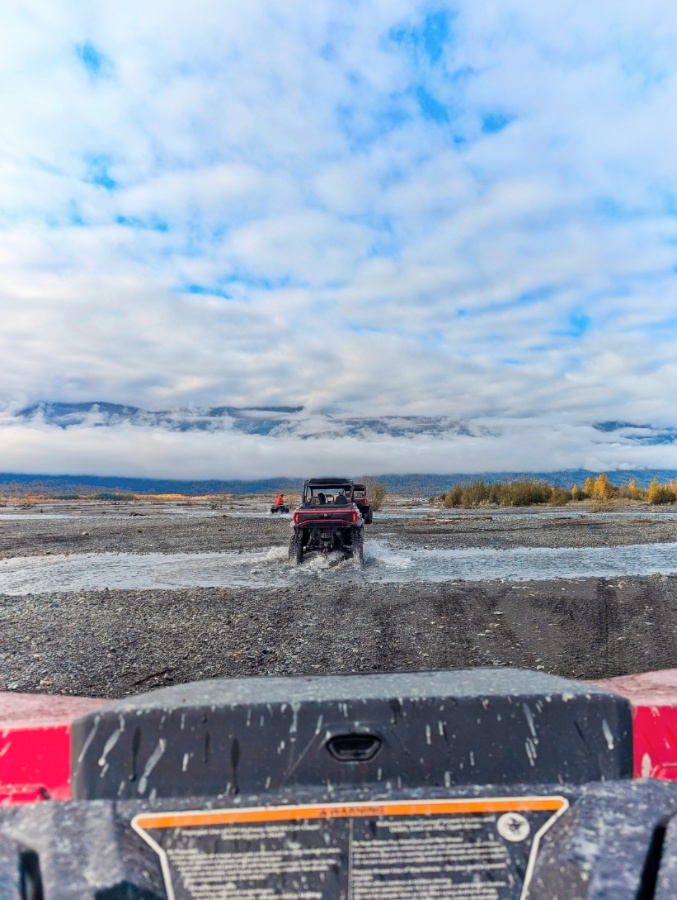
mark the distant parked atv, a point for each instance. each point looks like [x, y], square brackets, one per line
[279, 509]
[327, 519]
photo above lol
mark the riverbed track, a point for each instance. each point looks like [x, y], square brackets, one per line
[113, 643]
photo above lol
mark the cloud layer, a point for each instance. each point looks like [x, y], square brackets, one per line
[367, 208]
[249, 444]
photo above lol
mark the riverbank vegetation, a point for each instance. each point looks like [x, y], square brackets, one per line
[528, 493]
[376, 492]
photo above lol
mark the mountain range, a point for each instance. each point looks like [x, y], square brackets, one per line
[244, 445]
[295, 421]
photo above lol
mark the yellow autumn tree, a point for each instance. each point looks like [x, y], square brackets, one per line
[575, 493]
[654, 490]
[589, 487]
[603, 489]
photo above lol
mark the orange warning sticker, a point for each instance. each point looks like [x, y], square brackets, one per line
[451, 849]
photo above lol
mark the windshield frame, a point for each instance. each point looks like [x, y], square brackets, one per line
[330, 490]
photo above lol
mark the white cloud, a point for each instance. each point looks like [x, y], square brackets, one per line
[124, 449]
[246, 204]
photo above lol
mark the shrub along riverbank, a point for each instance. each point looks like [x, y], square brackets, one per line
[528, 493]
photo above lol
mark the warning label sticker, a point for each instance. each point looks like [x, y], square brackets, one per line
[482, 849]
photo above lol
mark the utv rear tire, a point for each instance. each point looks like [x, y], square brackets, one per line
[296, 549]
[358, 545]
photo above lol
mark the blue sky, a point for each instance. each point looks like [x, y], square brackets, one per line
[465, 209]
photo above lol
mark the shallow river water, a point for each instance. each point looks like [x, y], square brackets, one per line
[259, 511]
[386, 562]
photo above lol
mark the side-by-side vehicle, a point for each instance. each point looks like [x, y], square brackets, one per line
[329, 518]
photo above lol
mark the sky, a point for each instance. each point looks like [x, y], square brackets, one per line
[364, 208]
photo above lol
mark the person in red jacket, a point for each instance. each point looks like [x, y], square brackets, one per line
[280, 500]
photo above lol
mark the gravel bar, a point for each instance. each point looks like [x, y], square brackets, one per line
[114, 643]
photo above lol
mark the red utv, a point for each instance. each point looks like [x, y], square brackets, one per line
[327, 519]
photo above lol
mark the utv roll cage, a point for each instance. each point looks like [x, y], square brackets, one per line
[323, 491]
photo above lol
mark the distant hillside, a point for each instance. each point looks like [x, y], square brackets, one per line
[18, 485]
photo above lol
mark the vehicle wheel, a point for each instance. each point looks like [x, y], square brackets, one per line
[296, 549]
[358, 545]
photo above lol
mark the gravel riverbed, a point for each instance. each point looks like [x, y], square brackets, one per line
[112, 643]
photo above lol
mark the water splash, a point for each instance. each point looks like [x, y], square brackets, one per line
[385, 562]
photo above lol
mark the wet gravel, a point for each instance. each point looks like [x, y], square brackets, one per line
[136, 528]
[114, 643]
[48, 528]
[536, 529]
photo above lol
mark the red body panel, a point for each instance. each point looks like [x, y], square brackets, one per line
[35, 735]
[323, 516]
[653, 696]
[35, 732]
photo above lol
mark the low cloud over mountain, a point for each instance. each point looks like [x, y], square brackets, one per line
[274, 441]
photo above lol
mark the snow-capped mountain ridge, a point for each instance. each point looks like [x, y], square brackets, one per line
[263, 420]
[295, 421]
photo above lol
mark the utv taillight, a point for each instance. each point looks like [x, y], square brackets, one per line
[296, 518]
[354, 517]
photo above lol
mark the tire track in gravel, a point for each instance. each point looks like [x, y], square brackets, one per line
[118, 642]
